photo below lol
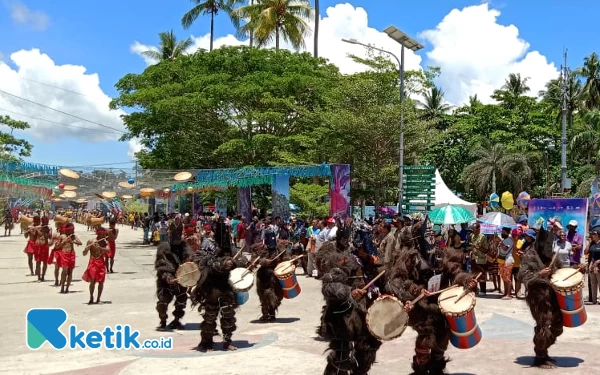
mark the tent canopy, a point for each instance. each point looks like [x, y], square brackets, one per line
[445, 196]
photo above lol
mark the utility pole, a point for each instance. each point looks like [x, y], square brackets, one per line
[565, 93]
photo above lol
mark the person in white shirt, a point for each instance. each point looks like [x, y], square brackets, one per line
[563, 248]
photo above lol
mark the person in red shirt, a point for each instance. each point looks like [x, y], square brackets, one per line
[241, 233]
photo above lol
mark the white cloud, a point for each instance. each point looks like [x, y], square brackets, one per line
[19, 13]
[67, 88]
[134, 147]
[476, 54]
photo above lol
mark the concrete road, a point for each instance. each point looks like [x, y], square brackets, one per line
[288, 346]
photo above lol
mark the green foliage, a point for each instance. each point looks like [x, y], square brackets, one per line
[12, 148]
[136, 205]
[311, 199]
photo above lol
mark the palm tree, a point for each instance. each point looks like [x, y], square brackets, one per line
[514, 87]
[211, 7]
[316, 31]
[169, 48]
[553, 97]
[271, 19]
[590, 71]
[434, 106]
[492, 163]
[474, 101]
[587, 142]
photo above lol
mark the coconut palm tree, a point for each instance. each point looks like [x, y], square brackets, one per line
[553, 96]
[514, 87]
[590, 72]
[587, 142]
[169, 48]
[211, 7]
[433, 106]
[316, 30]
[493, 162]
[271, 19]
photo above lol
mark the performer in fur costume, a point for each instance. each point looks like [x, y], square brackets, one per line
[352, 347]
[169, 256]
[407, 279]
[213, 293]
[535, 273]
[270, 292]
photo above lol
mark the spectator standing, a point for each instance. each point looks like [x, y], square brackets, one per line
[576, 241]
[593, 253]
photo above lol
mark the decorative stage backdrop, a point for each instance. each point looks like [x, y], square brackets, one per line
[280, 195]
[561, 209]
[339, 190]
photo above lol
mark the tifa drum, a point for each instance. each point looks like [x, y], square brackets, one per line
[241, 297]
[568, 286]
[461, 317]
[241, 279]
[286, 273]
[188, 274]
[386, 318]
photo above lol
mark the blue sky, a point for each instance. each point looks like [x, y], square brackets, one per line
[99, 34]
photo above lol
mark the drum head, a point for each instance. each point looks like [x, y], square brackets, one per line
[188, 274]
[69, 173]
[448, 301]
[239, 282]
[386, 318]
[573, 278]
[284, 269]
[182, 176]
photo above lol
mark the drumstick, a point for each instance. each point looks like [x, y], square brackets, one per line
[452, 296]
[467, 291]
[278, 255]
[236, 254]
[553, 260]
[571, 275]
[364, 289]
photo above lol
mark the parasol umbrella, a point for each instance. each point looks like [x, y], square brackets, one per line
[450, 215]
[494, 200]
[507, 201]
[498, 219]
[523, 199]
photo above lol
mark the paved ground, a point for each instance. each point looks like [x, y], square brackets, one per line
[286, 347]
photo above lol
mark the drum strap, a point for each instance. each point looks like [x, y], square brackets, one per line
[350, 305]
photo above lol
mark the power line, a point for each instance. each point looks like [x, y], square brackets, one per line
[64, 113]
[58, 87]
[58, 123]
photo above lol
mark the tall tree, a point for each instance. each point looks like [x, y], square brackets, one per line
[211, 7]
[513, 88]
[433, 105]
[590, 72]
[553, 96]
[316, 30]
[169, 48]
[494, 162]
[586, 143]
[272, 19]
[12, 148]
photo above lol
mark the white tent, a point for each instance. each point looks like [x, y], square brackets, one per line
[445, 196]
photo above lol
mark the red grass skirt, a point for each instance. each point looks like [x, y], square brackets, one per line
[113, 250]
[31, 247]
[96, 271]
[55, 257]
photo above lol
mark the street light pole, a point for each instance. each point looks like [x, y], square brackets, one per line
[404, 41]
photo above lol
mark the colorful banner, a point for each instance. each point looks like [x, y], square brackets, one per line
[280, 194]
[339, 190]
[560, 209]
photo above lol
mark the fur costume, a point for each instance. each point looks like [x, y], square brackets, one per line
[213, 294]
[270, 292]
[352, 348]
[168, 258]
[541, 298]
[406, 279]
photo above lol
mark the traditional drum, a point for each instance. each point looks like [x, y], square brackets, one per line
[386, 318]
[286, 273]
[60, 219]
[95, 221]
[68, 173]
[25, 219]
[241, 279]
[460, 313]
[188, 274]
[182, 176]
[242, 297]
[568, 286]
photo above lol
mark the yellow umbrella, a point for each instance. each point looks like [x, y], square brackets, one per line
[507, 201]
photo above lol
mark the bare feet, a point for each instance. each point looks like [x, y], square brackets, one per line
[91, 301]
[98, 302]
[229, 346]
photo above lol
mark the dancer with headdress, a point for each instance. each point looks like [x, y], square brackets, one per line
[407, 279]
[537, 266]
[352, 348]
[169, 256]
[213, 293]
[32, 233]
[95, 272]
